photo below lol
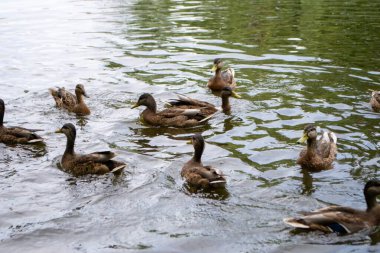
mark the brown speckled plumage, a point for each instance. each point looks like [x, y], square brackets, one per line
[14, 135]
[93, 163]
[184, 102]
[375, 101]
[319, 154]
[198, 175]
[221, 79]
[175, 117]
[72, 103]
[343, 220]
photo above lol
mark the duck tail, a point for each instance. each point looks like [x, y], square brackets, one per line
[232, 71]
[332, 137]
[118, 169]
[53, 92]
[36, 140]
[296, 222]
[209, 117]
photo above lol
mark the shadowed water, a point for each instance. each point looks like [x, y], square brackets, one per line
[296, 62]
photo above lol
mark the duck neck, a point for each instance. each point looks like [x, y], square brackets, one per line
[79, 96]
[226, 103]
[198, 151]
[218, 72]
[70, 145]
[1, 116]
[152, 106]
[311, 145]
[370, 199]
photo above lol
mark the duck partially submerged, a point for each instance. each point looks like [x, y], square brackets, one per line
[343, 220]
[221, 79]
[185, 102]
[198, 175]
[15, 135]
[319, 154]
[175, 117]
[93, 163]
[375, 101]
[72, 103]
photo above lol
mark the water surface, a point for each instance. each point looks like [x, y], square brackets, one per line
[296, 62]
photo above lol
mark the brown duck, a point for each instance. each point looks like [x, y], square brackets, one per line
[319, 154]
[175, 117]
[93, 163]
[14, 135]
[72, 103]
[221, 78]
[375, 101]
[198, 175]
[206, 108]
[343, 220]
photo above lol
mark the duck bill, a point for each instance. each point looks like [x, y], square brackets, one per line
[213, 69]
[189, 142]
[303, 139]
[235, 95]
[135, 105]
[85, 94]
[58, 131]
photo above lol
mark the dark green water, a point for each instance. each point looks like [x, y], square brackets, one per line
[296, 62]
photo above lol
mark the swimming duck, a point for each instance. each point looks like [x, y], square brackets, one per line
[175, 117]
[72, 103]
[14, 135]
[198, 175]
[319, 154]
[221, 78]
[93, 163]
[343, 220]
[185, 102]
[375, 100]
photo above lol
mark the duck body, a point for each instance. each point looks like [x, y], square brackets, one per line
[16, 135]
[319, 154]
[175, 117]
[206, 108]
[375, 101]
[343, 220]
[198, 175]
[221, 79]
[93, 163]
[72, 103]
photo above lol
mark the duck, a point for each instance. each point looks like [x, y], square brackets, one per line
[172, 117]
[185, 102]
[221, 79]
[375, 101]
[72, 103]
[198, 175]
[343, 220]
[82, 164]
[319, 154]
[16, 135]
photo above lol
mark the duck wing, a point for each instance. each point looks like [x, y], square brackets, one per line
[68, 99]
[376, 96]
[22, 133]
[209, 173]
[98, 157]
[327, 144]
[189, 113]
[336, 219]
[228, 75]
[187, 102]
[97, 163]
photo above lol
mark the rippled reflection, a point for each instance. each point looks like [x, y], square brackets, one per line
[296, 62]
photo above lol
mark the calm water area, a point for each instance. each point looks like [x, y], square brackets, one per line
[296, 62]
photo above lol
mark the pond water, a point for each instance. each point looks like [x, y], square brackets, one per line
[296, 62]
